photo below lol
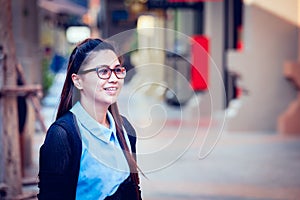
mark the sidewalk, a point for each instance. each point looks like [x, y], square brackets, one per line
[254, 166]
[182, 162]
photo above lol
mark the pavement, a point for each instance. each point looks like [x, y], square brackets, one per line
[189, 157]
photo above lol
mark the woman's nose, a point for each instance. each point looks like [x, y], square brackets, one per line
[113, 77]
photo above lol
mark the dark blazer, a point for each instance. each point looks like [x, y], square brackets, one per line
[60, 160]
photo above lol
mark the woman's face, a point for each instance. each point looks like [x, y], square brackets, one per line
[96, 91]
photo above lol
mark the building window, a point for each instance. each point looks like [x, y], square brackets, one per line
[234, 24]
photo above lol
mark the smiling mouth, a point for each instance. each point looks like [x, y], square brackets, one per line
[110, 89]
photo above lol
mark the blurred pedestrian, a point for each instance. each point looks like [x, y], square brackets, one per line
[58, 63]
[89, 151]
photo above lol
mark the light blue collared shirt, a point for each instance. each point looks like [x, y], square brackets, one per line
[103, 166]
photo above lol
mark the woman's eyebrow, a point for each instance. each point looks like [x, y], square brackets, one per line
[102, 66]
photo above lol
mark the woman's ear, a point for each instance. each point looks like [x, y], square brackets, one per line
[77, 81]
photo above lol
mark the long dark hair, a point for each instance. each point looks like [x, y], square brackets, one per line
[69, 96]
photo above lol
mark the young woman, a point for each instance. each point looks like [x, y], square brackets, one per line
[89, 151]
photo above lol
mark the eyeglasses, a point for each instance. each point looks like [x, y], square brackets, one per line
[104, 71]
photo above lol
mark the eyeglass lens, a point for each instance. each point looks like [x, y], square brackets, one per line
[105, 72]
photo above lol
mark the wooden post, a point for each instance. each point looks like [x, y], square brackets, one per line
[10, 164]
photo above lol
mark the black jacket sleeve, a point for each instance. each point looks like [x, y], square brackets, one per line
[56, 178]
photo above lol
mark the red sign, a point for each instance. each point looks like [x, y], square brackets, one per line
[200, 63]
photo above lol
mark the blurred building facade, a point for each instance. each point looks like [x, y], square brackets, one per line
[270, 39]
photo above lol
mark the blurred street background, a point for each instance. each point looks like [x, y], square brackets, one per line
[212, 89]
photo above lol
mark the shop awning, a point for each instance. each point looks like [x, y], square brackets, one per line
[62, 6]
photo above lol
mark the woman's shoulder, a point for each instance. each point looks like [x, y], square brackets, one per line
[62, 128]
[67, 118]
[128, 126]
[62, 124]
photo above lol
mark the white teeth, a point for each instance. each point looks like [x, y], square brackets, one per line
[111, 89]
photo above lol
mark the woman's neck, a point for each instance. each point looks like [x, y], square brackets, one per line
[99, 113]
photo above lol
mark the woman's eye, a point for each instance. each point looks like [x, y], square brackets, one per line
[103, 71]
[118, 70]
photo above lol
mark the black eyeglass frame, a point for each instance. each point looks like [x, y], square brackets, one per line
[106, 67]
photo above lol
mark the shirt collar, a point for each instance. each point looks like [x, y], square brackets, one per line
[91, 125]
